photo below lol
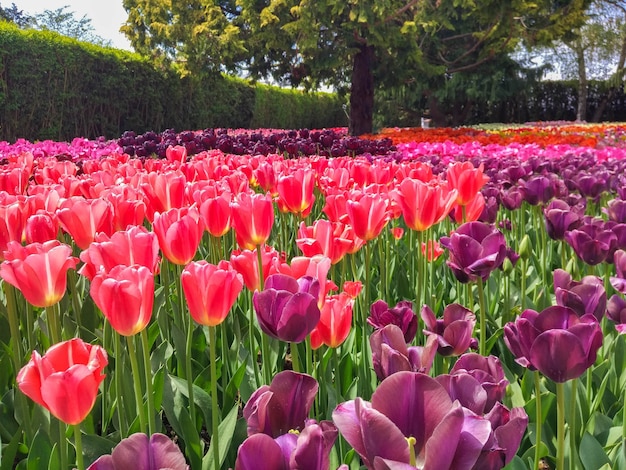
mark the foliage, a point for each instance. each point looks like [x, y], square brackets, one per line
[65, 22]
[14, 15]
[57, 87]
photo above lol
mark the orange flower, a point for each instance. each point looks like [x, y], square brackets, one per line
[335, 321]
[434, 250]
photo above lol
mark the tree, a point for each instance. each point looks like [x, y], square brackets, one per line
[65, 22]
[16, 16]
[198, 35]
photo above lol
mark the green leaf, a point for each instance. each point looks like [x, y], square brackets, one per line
[95, 446]
[8, 453]
[40, 451]
[226, 430]
[591, 453]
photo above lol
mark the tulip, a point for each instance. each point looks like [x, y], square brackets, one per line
[473, 211]
[424, 204]
[397, 232]
[584, 297]
[538, 190]
[179, 232]
[176, 153]
[287, 308]
[592, 243]
[136, 245]
[335, 321]
[217, 214]
[125, 295]
[141, 452]
[210, 290]
[163, 191]
[401, 315]
[466, 180]
[560, 218]
[41, 227]
[253, 218]
[454, 331]
[556, 341]
[83, 218]
[295, 191]
[489, 373]
[246, 263]
[282, 406]
[616, 210]
[412, 422]
[13, 217]
[306, 450]
[431, 250]
[616, 312]
[65, 380]
[324, 238]
[368, 215]
[619, 280]
[390, 353]
[38, 270]
[335, 208]
[475, 250]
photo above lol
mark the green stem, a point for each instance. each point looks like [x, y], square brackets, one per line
[538, 418]
[78, 445]
[136, 383]
[482, 348]
[119, 376]
[215, 417]
[189, 372]
[560, 413]
[366, 305]
[54, 323]
[18, 354]
[76, 304]
[572, 424]
[62, 444]
[295, 359]
[148, 371]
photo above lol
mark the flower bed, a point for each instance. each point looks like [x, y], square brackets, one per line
[425, 298]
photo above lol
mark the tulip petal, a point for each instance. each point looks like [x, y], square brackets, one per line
[260, 448]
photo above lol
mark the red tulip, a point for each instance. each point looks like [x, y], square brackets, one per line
[38, 270]
[433, 251]
[253, 218]
[335, 321]
[368, 215]
[65, 380]
[217, 214]
[466, 179]
[210, 290]
[424, 204]
[335, 208]
[324, 238]
[295, 191]
[163, 191]
[125, 295]
[246, 263]
[13, 217]
[179, 232]
[41, 227]
[133, 246]
[176, 153]
[83, 218]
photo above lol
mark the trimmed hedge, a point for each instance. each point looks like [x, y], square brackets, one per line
[54, 87]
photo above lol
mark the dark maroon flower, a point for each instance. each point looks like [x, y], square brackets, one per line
[287, 308]
[616, 312]
[282, 406]
[584, 297]
[412, 414]
[143, 453]
[475, 250]
[488, 371]
[453, 331]
[401, 315]
[559, 218]
[557, 342]
[390, 353]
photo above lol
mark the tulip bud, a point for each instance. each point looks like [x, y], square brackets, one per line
[525, 248]
[507, 266]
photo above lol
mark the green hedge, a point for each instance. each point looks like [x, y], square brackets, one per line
[54, 87]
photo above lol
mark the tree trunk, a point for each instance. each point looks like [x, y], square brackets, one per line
[362, 92]
[616, 81]
[581, 112]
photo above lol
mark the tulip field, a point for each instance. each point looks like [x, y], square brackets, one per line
[303, 299]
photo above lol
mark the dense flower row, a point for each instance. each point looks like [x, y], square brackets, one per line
[270, 263]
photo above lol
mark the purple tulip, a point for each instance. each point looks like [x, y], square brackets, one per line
[453, 331]
[307, 450]
[282, 406]
[412, 422]
[616, 210]
[538, 190]
[475, 250]
[489, 373]
[513, 198]
[591, 242]
[401, 315]
[584, 297]
[559, 218]
[390, 353]
[508, 427]
[557, 342]
[619, 280]
[616, 312]
[287, 308]
[141, 452]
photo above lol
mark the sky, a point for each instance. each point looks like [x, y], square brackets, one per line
[106, 15]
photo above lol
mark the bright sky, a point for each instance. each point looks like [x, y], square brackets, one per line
[106, 15]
